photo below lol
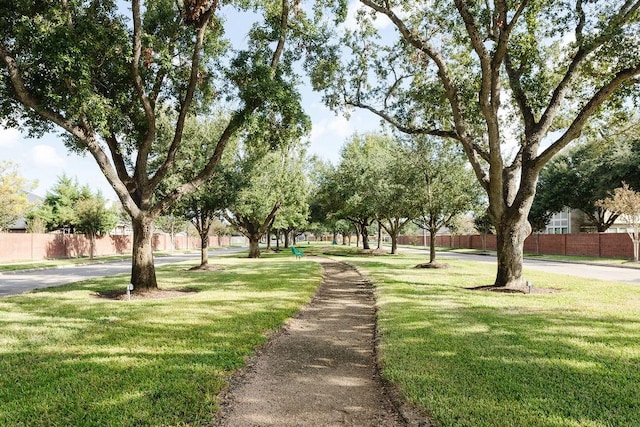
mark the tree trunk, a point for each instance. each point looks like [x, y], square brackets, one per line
[204, 248]
[432, 246]
[394, 243]
[636, 245]
[269, 239]
[510, 234]
[254, 247]
[365, 237]
[286, 239]
[143, 272]
[92, 245]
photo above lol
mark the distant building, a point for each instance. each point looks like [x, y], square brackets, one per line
[575, 221]
[20, 226]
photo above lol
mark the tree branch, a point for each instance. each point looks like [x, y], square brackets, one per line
[145, 145]
[588, 110]
[185, 105]
[25, 98]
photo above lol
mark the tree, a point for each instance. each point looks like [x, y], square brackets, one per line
[93, 218]
[13, 194]
[395, 204]
[323, 201]
[587, 172]
[484, 224]
[204, 205]
[443, 186]
[357, 181]
[294, 213]
[266, 180]
[59, 206]
[105, 80]
[626, 203]
[172, 224]
[497, 77]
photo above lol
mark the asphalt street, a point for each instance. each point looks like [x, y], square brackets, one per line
[12, 283]
[584, 270]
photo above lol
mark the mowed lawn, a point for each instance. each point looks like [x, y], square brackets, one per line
[567, 357]
[69, 358]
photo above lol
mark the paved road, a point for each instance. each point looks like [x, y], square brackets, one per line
[587, 271]
[13, 283]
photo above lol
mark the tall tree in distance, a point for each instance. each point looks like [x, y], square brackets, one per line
[626, 203]
[59, 206]
[93, 218]
[580, 176]
[267, 182]
[444, 187]
[497, 77]
[13, 194]
[105, 79]
[357, 181]
[203, 206]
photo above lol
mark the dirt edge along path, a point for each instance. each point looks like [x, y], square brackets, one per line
[320, 370]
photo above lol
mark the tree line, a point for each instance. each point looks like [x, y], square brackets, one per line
[511, 83]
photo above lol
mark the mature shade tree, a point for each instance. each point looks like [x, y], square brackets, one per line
[105, 80]
[267, 182]
[395, 204]
[443, 186]
[93, 218]
[357, 180]
[626, 203]
[294, 213]
[203, 206]
[13, 194]
[323, 203]
[498, 77]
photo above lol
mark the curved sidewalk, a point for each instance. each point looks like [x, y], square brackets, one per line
[321, 370]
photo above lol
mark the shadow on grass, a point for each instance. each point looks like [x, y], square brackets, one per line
[69, 360]
[484, 359]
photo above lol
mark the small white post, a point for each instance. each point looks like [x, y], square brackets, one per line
[529, 286]
[129, 289]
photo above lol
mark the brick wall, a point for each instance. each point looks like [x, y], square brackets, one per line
[604, 245]
[28, 246]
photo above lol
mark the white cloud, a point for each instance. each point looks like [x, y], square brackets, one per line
[8, 137]
[328, 136]
[335, 128]
[46, 155]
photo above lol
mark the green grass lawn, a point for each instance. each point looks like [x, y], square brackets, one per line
[68, 358]
[477, 358]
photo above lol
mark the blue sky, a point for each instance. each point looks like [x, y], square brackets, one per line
[45, 159]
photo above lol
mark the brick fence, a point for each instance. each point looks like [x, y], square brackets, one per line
[603, 245]
[29, 246]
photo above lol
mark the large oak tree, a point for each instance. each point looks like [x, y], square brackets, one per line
[512, 81]
[105, 79]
